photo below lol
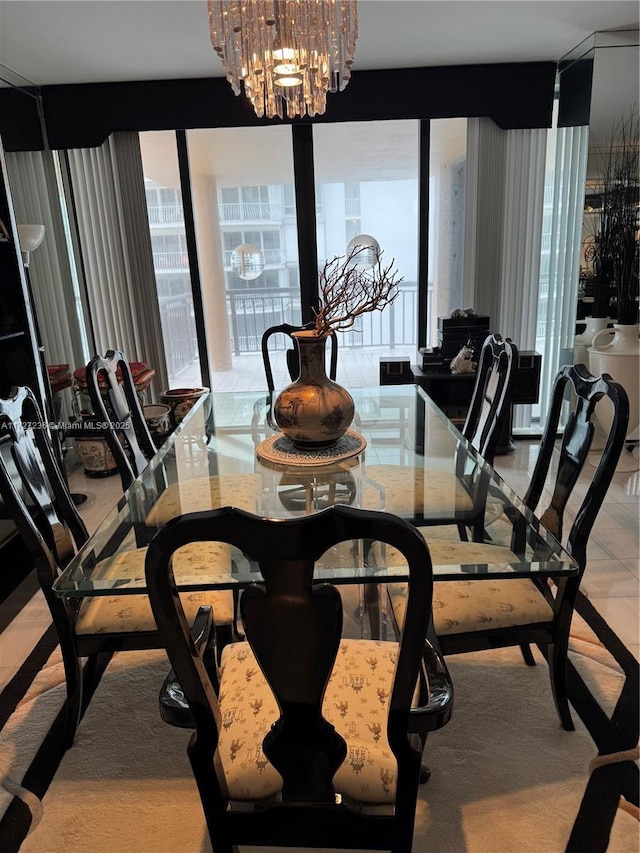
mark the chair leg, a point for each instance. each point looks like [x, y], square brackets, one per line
[90, 668]
[402, 844]
[527, 654]
[74, 679]
[372, 607]
[557, 658]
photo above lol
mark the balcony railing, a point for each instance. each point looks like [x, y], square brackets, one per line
[251, 211]
[251, 312]
[179, 331]
[169, 214]
[171, 261]
[272, 258]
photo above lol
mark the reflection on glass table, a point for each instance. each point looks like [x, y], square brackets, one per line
[415, 465]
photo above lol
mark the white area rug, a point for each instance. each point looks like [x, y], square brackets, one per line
[505, 776]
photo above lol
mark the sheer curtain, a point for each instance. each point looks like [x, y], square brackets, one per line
[111, 211]
[565, 182]
[506, 178]
[57, 301]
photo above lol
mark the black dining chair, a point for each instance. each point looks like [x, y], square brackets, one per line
[491, 396]
[130, 442]
[293, 365]
[282, 753]
[475, 615]
[457, 498]
[36, 496]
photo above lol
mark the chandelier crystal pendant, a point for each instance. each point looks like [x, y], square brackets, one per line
[287, 54]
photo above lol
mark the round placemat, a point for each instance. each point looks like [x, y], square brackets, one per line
[280, 449]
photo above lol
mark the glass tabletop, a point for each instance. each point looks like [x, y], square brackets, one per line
[415, 464]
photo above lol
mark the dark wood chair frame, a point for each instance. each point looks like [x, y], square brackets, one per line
[38, 500]
[553, 638]
[294, 626]
[293, 365]
[488, 410]
[124, 410]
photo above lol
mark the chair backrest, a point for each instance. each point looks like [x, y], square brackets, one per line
[294, 629]
[125, 410]
[574, 449]
[491, 396]
[35, 493]
[293, 364]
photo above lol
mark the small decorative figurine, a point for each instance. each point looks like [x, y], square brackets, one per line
[463, 363]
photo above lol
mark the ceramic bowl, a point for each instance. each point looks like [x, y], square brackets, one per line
[158, 418]
[180, 400]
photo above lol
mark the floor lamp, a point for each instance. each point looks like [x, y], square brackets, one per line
[30, 237]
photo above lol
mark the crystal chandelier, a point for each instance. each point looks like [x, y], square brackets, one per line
[285, 52]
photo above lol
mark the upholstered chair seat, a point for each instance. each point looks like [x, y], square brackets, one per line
[469, 605]
[333, 729]
[406, 491]
[463, 606]
[124, 613]
[448, 552]
[355, 703]
[202, 493]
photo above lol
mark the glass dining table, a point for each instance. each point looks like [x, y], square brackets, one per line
[412, 462]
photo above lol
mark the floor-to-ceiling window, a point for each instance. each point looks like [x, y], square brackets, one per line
[367, 183]
[244, 197]
[245, 222]
[447, 178]
[170, 257]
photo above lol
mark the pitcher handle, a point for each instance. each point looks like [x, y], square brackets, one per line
[599, 334]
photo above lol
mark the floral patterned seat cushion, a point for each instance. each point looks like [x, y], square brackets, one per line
[122, 613]
[447, 552]
[463, 606]
[404, 490]
[201, 493]
[356, 703]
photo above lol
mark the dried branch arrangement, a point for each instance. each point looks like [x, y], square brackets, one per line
[347, 291]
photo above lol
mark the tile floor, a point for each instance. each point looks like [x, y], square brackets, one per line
[611, 579]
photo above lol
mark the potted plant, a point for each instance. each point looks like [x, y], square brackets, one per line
[616, 262]
[613, 250]
[313, 411]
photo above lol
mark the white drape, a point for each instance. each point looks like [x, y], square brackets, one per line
[484, 204]
[506, 174]
[557, 315]
[108, 187]
[36, 200]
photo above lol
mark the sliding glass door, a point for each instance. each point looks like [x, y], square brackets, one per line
[447, 183]
[366, 176]
[244, 193]
[245, 223]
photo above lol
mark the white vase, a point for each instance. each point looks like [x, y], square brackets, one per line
[617, 352]
[582, 341]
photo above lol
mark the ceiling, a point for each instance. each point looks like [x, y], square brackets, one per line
[85, 41]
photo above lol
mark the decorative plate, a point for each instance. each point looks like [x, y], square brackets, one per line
[279, 449]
